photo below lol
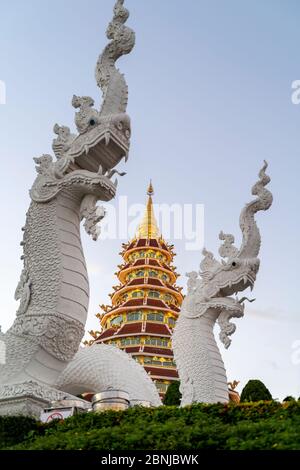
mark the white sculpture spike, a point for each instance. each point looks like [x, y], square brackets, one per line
[54, 288]
[108, 77]
[200, 366]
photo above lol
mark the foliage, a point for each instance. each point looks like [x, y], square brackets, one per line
[289, 398]
[247, 426]
[173, 395]
[255, 390]
[15, 429]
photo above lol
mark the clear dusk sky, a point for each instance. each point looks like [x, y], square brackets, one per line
[210, 98]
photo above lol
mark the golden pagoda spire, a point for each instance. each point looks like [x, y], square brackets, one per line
[146, 304]
[148, 228]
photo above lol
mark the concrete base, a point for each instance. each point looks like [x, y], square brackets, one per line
[29, 399]
[25, 406]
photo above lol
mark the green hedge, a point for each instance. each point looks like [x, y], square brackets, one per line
[15, 429]
[261, 425]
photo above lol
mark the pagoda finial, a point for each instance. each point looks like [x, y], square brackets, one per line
[148, 228]
[150, 191]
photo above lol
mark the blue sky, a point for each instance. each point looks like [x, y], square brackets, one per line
[210, 98]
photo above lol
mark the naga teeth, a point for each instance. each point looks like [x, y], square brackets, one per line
[107, 138]
[100, 170]
[111, 173]
[116, 182]
[126, 157]
[86, 149]
[245, 279]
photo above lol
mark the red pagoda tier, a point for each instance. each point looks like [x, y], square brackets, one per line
[146, 304]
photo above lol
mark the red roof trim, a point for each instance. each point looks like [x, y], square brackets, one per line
[123, 307]
[106, 334]
[156, 303]
[133, 303]
[139, 262]
[157, 351]
[128, 328]
[131, 349]
[173, 307]
[142, 281]
[161, 372]
[157, 328]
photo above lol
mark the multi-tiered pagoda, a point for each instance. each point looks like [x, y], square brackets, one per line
[145, 305]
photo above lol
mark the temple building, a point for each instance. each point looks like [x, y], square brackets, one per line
[146, 302]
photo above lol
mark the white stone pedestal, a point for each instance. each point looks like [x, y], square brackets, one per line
[29, 398]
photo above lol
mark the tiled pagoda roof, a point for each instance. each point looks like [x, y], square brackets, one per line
[129, 328]
[157, 329]
[150, 243]
[161, 372]
[148, 292]
[106, 334]
[136, 328]
[132, 349]
[158, 351]
[143, 303]
[149, 281]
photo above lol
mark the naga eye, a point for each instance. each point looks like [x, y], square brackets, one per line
[92, 122]
[233, 264]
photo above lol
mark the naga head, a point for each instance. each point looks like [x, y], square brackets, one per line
[238, 269]
[236, 272]
[103, 137]
[228, 277]
[85, 161]
[62, 174]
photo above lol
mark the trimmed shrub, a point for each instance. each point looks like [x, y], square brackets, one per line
[173, 395]
[289, 398]
[255, 390]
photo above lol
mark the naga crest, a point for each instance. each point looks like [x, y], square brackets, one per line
[84, 161]
[237, 270]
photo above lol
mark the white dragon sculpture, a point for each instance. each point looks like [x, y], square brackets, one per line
[54, 290]
[209, 300]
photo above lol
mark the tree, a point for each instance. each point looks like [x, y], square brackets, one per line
[289, 398]
[255, 390]
[173, 395]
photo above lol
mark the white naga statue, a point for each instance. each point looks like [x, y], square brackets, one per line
[209, 300]
[54, 290]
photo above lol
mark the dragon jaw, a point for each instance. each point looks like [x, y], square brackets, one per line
[54, 177]
[235, 276]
